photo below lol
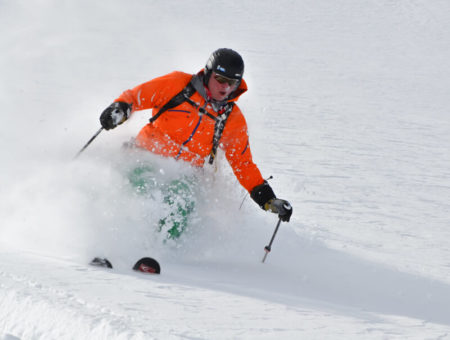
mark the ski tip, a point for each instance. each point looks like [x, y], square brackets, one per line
[147, 265]
[101, 262]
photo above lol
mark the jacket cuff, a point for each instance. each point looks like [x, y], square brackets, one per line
[262, 193]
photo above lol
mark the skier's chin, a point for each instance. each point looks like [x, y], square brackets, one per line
[222, 96]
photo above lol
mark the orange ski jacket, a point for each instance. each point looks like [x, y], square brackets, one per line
[184, 133]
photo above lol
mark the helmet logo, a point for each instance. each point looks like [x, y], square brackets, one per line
[222, 69]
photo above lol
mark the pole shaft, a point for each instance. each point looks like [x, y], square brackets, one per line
[268, 248]
[89, 142]
[274, 233]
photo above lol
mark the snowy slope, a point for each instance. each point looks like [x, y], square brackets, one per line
[347, 109]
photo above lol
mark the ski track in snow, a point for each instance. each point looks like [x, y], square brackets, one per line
[150, 306]
[347, 108]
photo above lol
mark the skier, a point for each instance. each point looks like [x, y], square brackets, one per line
[193, 115]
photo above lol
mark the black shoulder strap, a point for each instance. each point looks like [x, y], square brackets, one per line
[178, 99]
[218, 129]
[184, 95]
[200, 109]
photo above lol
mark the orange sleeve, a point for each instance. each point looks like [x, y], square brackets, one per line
[235, 142]
[155, 92]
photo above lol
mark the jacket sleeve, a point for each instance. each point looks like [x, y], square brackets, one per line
[154, 93]
[235, 142]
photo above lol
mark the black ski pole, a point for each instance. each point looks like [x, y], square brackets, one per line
[89, 142]
[268, 248]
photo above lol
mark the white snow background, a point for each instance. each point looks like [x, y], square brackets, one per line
[348, 109]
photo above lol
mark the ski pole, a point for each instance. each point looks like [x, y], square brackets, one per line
[89, 142]
[268, 248]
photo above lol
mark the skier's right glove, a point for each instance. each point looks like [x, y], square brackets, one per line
[115, 114]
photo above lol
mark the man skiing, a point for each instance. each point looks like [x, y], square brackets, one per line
[193, 115]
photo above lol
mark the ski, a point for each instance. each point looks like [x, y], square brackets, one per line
[145, 265]
[101, 262]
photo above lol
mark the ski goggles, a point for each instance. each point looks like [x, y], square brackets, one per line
[223, 79]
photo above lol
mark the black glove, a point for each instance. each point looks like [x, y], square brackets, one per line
[115, 114]
[264, 196]
[281, 207]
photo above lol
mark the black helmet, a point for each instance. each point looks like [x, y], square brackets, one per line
[225, 62]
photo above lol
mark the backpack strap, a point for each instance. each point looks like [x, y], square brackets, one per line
[200, 109]
[178, 99]
[221, 119]
[218, 130]
[219, 126]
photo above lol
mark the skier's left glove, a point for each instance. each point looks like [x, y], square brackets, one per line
[281, 207]
[264, 196]
[115, 114]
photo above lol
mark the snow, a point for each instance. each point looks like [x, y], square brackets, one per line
[347, 108]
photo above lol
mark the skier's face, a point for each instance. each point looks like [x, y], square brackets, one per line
[221, 87]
